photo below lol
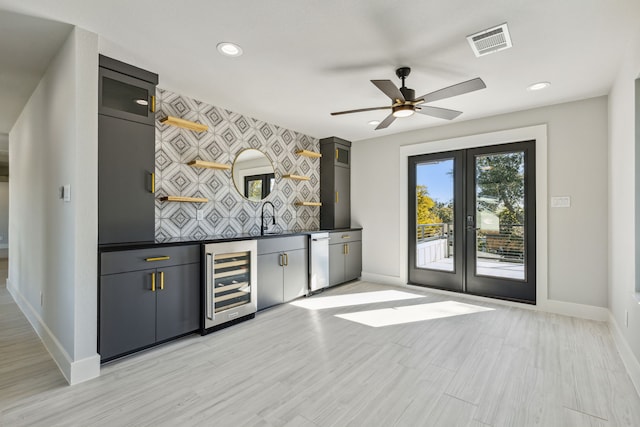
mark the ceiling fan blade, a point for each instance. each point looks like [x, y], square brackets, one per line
[386, 122]
[441, 113]
[455, 90]
[360, 110]
[389, 89]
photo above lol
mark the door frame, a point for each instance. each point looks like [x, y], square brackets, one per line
[537, 133]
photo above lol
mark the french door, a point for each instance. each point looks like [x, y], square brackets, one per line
[472, 221]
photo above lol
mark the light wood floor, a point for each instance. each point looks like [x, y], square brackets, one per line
[297, 367]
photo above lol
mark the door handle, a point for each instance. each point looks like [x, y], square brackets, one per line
[337, 197]
[162, 280]
[153, 183]
[153, 104]
[153, 282]
[281, 260]
[286, 259]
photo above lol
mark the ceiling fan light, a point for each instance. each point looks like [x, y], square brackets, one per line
[403, 111]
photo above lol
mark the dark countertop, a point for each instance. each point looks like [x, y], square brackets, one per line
[179, 241]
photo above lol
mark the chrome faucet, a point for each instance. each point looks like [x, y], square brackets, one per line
[273, 215]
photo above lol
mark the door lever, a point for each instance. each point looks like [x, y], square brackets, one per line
[471, 226]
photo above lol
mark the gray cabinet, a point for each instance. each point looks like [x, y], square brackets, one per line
[126, 153]
[335, 183]
[147, 296]
[345, 256]
[283, 270]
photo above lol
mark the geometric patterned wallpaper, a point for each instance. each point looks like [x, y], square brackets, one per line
[227, 213]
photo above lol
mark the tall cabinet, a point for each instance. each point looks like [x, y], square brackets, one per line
[335, 183]
[126, 153]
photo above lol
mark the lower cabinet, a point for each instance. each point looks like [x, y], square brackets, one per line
[283, 270]
[147, 296]
[345, 256]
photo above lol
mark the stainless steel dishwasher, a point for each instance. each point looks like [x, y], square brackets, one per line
[319, 262]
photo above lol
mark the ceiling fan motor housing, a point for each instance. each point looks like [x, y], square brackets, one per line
[409, 94]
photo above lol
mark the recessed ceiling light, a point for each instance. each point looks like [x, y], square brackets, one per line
[539, 86]
[229, 49]
[374, 122]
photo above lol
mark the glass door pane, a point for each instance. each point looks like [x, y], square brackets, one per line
[435, 215]
[500, 215]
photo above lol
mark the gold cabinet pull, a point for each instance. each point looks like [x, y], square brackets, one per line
[158, 258]
[346, 236]
[153, 183]
[347, 247]
[162, 280]
[336, 154]
[336, 197]
[344, 249]
[153, 103]
[153, 282]
[281, 260]
[286, 259]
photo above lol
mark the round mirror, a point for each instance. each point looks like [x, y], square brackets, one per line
[253, 174]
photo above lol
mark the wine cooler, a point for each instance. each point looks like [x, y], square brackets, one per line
[231, 272]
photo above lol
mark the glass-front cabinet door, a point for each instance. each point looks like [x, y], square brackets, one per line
[126, 97]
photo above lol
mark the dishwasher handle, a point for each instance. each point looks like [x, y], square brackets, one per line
[318, 239]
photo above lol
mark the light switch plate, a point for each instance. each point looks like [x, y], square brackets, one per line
[66, 193]
[561, 202]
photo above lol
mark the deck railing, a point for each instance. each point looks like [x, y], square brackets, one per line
[506, 243]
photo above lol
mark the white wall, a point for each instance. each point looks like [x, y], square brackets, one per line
[623, 169]
[53, 250]
[577, 167]
[4, 214]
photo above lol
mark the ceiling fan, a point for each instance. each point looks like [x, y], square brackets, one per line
[405, 103]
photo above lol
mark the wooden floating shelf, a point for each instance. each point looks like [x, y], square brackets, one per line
[210, 165]
[182, 123]
[184, 199]
[298, 177]
[308, 204]
[308, 153]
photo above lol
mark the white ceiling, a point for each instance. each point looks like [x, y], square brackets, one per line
[305, 59]
[26, 47]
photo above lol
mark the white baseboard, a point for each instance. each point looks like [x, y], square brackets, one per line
[73, 371]
[571, 309]
[551, 306]
[381, 279]
[628, 358]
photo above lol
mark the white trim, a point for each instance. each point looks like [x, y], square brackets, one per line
[581, 311]
[626, 354]
[381, 279]
[74, 372]
[590, 312]
[85, 369]
[537, 133]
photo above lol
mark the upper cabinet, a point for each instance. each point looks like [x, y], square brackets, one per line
[126, 153]
[126, 92]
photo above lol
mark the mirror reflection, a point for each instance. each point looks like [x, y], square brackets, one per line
[253, 174]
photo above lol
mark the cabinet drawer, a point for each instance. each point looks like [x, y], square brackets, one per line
[282, 244]
[344, 237]
[140, 259]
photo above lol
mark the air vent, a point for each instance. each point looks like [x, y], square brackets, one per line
[490, 40]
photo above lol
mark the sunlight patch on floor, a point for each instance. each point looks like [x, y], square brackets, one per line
[319, 303]
[412, 313]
